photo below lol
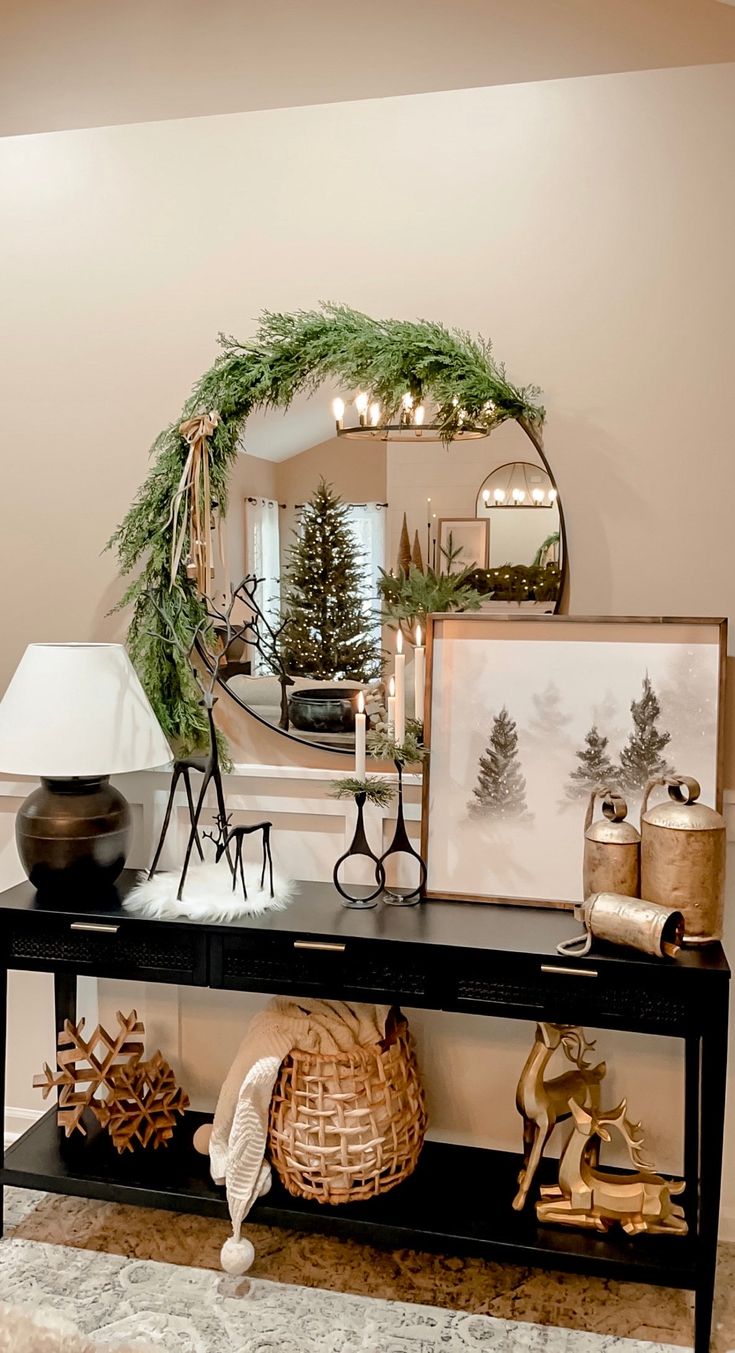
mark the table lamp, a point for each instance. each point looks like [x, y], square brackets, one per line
[75, 714]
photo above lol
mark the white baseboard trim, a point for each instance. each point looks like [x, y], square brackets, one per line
[17, 1121]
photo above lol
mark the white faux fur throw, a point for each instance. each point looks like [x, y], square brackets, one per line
[26, 1330]
[238, 1140]
[209, 895]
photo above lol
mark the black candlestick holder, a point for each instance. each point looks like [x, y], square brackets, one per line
[401, 845]
[360, 845]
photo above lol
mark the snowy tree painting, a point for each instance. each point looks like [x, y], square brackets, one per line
[528, 718]
[642, 757]
[595, 769]
[501, 788]
[549, 719]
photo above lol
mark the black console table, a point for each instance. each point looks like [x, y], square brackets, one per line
[484, 960]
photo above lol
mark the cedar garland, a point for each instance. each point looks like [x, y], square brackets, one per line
[289, 353]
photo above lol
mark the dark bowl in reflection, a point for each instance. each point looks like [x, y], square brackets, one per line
[322, 709]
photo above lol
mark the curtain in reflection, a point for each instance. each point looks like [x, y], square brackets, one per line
[263, 558]
[367, 521]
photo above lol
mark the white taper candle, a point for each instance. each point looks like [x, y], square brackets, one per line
[360, 731]
[392, 705]
[400, 674]
[419, 675]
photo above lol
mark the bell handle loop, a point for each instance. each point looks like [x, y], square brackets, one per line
[651, 785]
[684, 788]
[576, 947]
[614, 807]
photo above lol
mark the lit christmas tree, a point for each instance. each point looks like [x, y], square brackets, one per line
[501, 788]
[330, 634]
[642, 758]
[595, 769]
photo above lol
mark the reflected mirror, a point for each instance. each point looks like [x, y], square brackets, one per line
[338, 528]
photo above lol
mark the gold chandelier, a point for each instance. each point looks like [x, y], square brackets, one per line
[411, 425]
[514, 486]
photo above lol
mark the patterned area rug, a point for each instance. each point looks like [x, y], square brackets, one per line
[115, 1301]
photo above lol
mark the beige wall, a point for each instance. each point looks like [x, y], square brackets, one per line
[151, 59]
[355, 470]
[585, 225]
[603, 271]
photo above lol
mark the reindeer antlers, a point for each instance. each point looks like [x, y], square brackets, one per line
[631, 1133]
[222, 824]
[576, 1045]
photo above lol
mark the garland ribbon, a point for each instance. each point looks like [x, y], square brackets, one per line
[191, 505]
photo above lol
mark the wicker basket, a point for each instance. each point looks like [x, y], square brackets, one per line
[348, 1127]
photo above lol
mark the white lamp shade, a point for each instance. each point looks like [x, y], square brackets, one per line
[78, 710]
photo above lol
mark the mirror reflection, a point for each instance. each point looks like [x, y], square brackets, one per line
[354, 539]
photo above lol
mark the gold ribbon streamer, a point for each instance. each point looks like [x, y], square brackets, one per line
[191, 504]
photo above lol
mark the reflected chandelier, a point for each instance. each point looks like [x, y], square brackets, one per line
[411, 424]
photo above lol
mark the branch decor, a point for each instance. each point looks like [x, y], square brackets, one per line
[412, 751]
[376, 788]
[165, 535]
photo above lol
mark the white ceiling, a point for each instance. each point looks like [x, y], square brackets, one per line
[86, 63]
[278, 436]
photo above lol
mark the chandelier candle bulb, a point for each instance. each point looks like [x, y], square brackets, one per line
[338, 409]
[400, 675]
[361, 404]
[419, 675]
[360, 732]
[392, 705]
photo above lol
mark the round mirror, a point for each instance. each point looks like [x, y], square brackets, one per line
[337, 528]
[519, 504]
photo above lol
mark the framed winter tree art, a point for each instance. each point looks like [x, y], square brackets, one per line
[527, 715]
[464, 542]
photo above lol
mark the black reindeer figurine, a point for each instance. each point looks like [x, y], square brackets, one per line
[266, 640]
[207, 765]
[224, 839]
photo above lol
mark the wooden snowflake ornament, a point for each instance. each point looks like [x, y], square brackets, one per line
[88, 1069]
[136, 1100]
[144, 1105]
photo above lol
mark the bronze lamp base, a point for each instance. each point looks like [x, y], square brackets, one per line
[73, 834]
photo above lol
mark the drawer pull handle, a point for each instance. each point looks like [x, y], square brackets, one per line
[569, 972]
[320, 944]
[93, 925]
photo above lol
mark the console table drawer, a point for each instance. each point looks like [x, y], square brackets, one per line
[583, 994]
[332, 968]
[126, 949]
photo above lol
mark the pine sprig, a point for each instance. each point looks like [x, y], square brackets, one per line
[376, 788]
[412, 751]
[290, 354]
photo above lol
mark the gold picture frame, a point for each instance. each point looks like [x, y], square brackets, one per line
[579, 671]
[473, 537]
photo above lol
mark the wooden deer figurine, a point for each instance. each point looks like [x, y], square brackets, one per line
[238, 834]
[544, 1103]
[590, 1197]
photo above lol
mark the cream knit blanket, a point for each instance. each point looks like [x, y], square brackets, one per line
[238, 1141]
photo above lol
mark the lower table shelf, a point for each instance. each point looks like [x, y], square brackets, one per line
[458, 1198]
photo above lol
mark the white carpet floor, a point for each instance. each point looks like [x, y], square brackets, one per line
[113, 1301]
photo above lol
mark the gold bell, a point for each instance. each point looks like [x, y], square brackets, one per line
[683, 857]
[611, 848]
